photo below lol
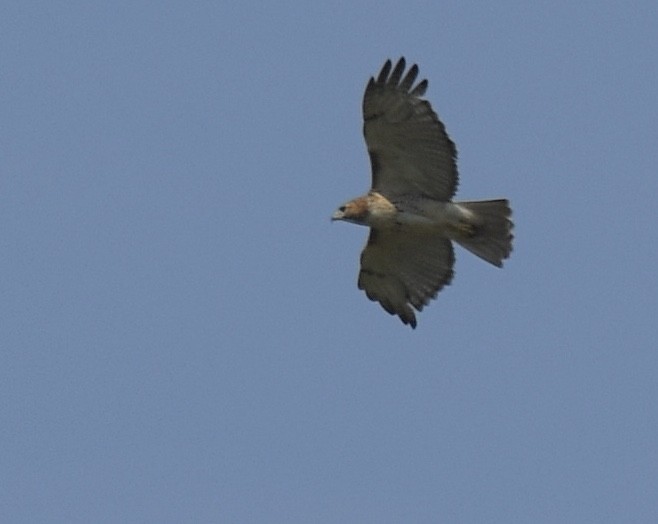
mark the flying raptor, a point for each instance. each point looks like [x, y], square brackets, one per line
[413, 221]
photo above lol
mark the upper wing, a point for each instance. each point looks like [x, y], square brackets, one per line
[409, 148]
[402, 268]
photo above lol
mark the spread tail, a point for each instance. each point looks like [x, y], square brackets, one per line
[488, 232]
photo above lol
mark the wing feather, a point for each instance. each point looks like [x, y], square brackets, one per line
[383, 74]
[409, 80]
[410, 150]
[401, 268]
[397, 72]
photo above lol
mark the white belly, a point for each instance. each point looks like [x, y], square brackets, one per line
[431, 213]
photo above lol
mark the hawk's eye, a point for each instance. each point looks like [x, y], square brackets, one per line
[341, 209]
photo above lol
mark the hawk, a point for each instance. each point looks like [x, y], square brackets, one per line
[413, 221]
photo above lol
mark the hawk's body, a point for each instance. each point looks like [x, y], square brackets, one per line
[409, 256]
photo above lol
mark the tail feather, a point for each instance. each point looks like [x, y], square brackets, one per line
[490, 230]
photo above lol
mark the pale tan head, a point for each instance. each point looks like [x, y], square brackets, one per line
[355, 211]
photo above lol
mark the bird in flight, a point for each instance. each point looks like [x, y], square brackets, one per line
[413, 221]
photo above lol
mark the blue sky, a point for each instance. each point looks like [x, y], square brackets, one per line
[182, 339]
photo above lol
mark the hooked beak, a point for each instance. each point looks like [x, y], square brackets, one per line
[338, 215]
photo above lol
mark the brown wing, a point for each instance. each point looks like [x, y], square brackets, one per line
[402, 268]
[409, 149]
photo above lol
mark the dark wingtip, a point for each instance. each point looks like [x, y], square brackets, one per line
[420, 89]
[410, 78]
[408, 317]
[383, 74]
[392, 75]
[397, 72]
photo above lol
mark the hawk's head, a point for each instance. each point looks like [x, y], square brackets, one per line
[355, 211]
[372, 210]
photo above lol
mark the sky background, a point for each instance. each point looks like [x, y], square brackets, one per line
[181, 336]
